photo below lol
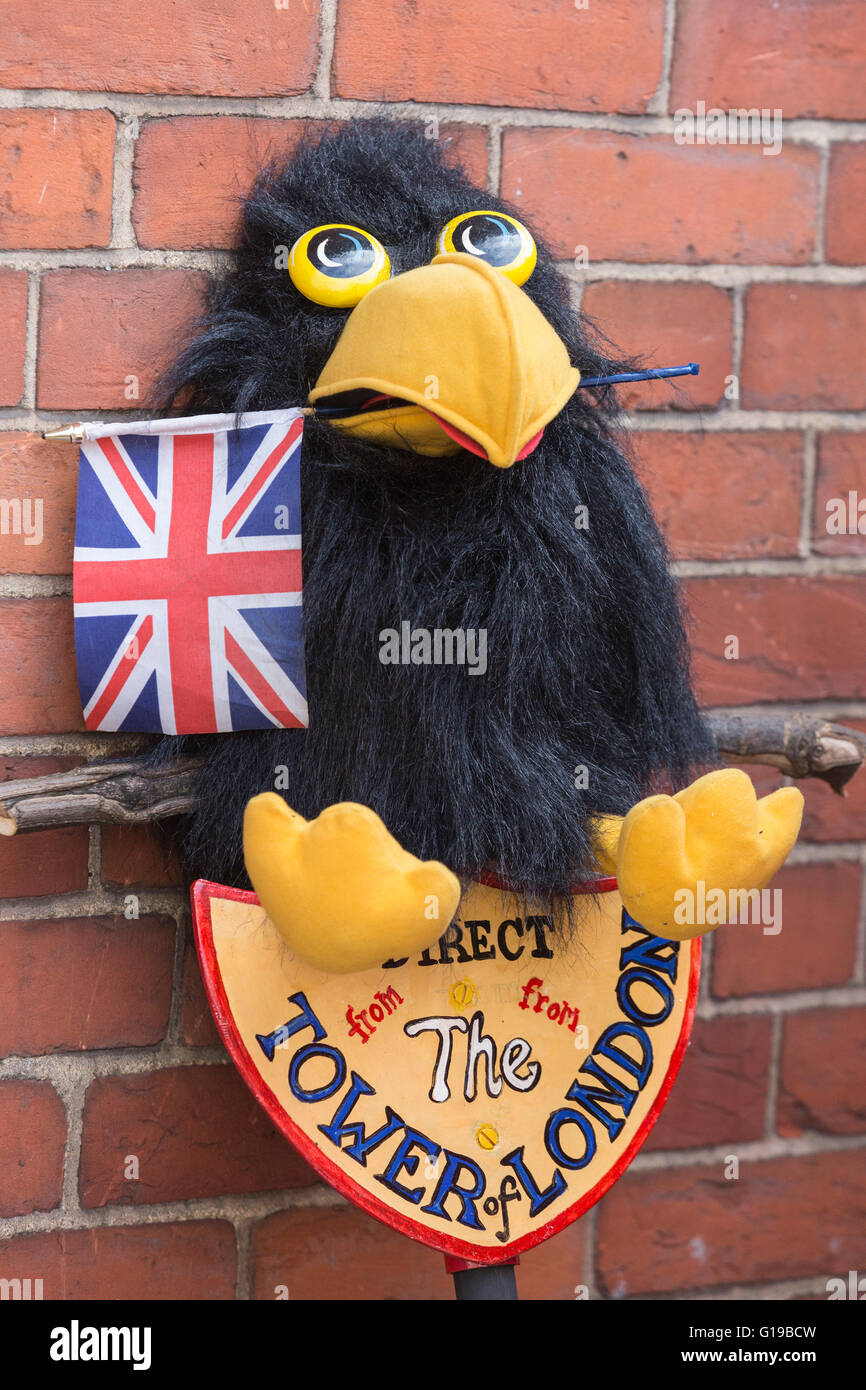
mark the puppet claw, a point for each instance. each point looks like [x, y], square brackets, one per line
[340, 890]
[715, 833]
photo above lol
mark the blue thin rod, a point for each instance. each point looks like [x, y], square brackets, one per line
[690, 369]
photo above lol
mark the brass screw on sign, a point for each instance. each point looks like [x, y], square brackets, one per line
[462, 995]
[487, 1137]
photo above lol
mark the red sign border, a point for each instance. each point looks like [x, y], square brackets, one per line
[202, 892]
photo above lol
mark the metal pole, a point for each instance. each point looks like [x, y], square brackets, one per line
[477, 1283]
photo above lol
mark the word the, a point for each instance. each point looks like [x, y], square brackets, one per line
[557, 1013]
[360, 1025]
[735, 127]
[75, 1343]
[715, 906]
[444, 646]
[846, 517]
[479, 1046]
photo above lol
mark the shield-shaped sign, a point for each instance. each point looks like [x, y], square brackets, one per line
[479, 1096]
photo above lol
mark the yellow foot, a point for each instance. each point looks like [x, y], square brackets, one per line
[340, 890]
[715, 832]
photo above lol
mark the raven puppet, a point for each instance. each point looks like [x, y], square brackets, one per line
[454, 479]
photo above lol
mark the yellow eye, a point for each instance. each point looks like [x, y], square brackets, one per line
[496, 238]
[337, 264]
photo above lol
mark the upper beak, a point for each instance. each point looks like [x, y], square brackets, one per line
[451, 354]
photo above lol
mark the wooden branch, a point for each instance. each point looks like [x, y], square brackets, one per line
[132, 791]
[800, 745]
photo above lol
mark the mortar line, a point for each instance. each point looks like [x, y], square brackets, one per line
[774, 1076]
[322, 81]
[494, 159]
[819, 254]
[34, 290]
[660, 101]
[738, 318]
[808, 493]
[308, 104]
[122, 193]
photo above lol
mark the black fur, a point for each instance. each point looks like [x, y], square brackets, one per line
[587, 659]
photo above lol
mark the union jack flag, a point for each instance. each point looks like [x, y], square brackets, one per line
[187, 575]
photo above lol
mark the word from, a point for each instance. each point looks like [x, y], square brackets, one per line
[715, 907]
[22, 516]
[75, 1343]
[735, 127]
[360, 1025]
[508, 934]
[479, 1046]
[557, 1013]
[846, 517]
[444, 646]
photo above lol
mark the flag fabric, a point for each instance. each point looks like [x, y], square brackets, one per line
[187, 574]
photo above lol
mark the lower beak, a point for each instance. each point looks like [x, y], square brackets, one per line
[451, 355]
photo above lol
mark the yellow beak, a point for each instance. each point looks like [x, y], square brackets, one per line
[450, 355]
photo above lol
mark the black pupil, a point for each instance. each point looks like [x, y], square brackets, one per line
[341, 253]
[492, 238]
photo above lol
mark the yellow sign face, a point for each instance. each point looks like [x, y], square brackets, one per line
[479, 1096]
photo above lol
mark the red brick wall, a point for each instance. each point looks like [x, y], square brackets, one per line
[126, 132]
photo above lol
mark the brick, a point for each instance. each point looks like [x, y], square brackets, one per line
[100, 327]
[44, 474]
[666, 325]
[611, 193]
[816, 947]
[721, 496]
[805, 58]
[79, 983]
[337, 1254]
[191, 171]
[720, 1095]
[56, 171]
[13, 311]
[43, 861]
[823, 1072]
[841, 471]
[553, 57]
[804, 347]
[340, 1254]
[207, 47]
[787, 1218]
[196, 1131]
[32, 1145]
[799, 639]
[832, 817]
[188, 1260]
[39, 690]
[844, 232]
[139, 856]
[197, 1025]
